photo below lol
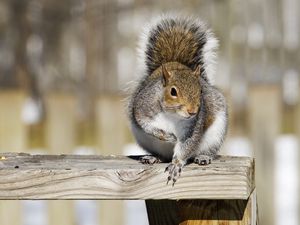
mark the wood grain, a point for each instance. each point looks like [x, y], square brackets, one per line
[24, 176]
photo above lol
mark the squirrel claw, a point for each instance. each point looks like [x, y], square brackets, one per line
[169, 178]
[202, 160]
[174, 170]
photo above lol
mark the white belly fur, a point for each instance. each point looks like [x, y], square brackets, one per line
[167, 122]
[161, 121]
[171, 124]
[153, 145]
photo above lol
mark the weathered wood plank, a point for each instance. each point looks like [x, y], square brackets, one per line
[24, 176]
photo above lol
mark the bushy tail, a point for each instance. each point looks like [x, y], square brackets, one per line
[179, 39]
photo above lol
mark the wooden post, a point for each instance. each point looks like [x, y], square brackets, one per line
[61, 123]
[12, 138]
[265, 121]
[60, 138]
[111, 139]
[198, 212]
[12, 128]
[10, 213]
[111, 124]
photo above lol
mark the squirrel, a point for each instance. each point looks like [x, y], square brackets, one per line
[175, 111]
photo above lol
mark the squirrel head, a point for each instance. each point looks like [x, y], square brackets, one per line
[181, 91]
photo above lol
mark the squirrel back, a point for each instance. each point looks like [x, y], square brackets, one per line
[179, 39]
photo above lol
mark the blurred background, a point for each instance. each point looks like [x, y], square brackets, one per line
[64, 71]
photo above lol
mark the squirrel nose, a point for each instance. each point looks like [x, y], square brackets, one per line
[191, 112]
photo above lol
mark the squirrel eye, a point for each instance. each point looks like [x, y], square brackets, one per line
[173, 92]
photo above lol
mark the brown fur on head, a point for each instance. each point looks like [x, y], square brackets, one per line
[181, 91]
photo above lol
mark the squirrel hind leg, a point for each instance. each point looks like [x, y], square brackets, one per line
[149, 159]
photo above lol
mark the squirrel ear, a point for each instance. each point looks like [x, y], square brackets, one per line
[166, 75]
[197, 71]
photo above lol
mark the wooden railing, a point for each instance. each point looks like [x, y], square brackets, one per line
[222, 191]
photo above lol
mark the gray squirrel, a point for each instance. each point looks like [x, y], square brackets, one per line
[175, 111]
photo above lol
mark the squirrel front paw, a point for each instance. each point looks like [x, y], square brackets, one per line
[203, 160]
[164, 136]
[149, 159]
[174, 170]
